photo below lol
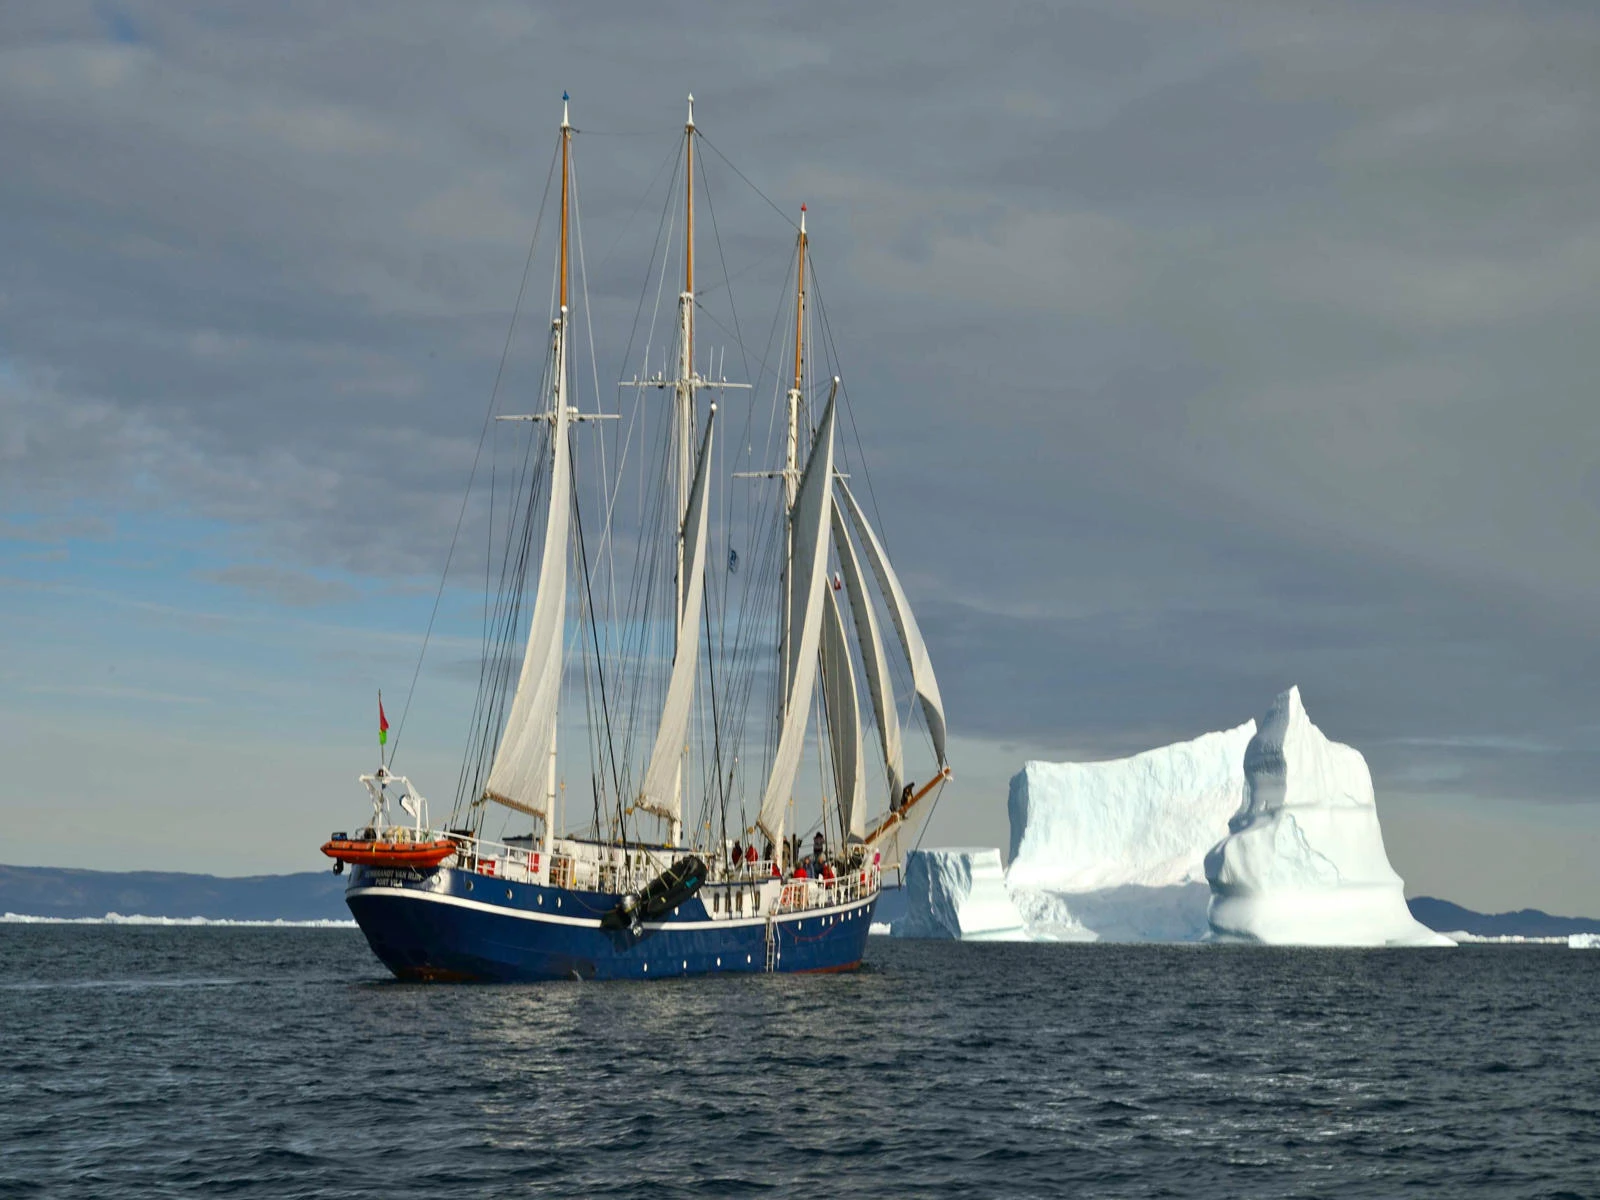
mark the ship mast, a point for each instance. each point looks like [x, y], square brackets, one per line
[684, 425]
[557, 430]
[791, 450]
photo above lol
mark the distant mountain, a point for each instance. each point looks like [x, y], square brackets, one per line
[1529, 922]
[67, 892]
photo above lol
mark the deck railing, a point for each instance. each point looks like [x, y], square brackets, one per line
[527, 864]
[844, 888]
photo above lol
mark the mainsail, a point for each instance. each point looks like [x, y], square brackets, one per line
[844, 719]
[659, 792]
[905, 623]
[523, 765]
[880, 687]
[808, 564]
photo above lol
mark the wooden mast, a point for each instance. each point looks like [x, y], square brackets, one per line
[684, 432]
[791, 450]
[556, 425]
[566, 169]
[688, 224]
[800, 302]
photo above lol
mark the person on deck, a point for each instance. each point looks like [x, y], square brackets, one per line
[816, 849]
[737, 855]
[750, 855]
[905, 796]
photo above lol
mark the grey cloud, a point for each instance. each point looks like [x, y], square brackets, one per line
[1195, 349]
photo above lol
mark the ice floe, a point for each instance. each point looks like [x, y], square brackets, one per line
[112, 918]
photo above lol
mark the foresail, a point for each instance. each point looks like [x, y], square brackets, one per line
[844, 718]
[880, 687]
[808, 571]
[659, 792]
[905, 623]
[519, 777]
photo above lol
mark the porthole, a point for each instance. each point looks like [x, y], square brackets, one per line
[719, 962]
[747, 960]
[686, 964]
[508, 893]
[469, 885]
[647, 968]
[541, 901]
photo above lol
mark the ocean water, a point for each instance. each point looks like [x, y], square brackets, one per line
[148, 1061]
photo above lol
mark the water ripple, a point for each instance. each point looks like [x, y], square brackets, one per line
[281, 1062]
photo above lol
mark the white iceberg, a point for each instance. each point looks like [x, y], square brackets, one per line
[1303, 862]
[958, 893]
[1115, 851]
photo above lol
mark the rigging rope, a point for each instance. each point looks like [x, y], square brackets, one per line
[483, 434]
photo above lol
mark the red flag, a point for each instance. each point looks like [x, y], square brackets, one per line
[383, 722]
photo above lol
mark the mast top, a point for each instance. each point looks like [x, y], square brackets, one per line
[565, 123]
[802, 218]
[689, 124]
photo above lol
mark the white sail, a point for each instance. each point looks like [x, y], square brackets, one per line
[659, 792]
[880, 687]
[520, 776]
[905, 623]
[808, 573]
[844, 718]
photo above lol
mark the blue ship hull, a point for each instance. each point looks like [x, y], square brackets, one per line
[450, 924]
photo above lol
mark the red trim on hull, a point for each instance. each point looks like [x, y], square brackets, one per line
[823, 970]
[435, 975]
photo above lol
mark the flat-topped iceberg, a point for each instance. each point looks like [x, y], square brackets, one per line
[1115, 851]
[1303, 862]
[958, 893]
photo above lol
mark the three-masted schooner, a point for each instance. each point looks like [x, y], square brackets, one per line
[641, 892]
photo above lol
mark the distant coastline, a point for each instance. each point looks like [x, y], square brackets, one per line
[66, 893]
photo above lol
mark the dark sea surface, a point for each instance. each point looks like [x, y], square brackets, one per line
[283, 1062]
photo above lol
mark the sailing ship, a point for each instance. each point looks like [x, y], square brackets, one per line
[653, 885]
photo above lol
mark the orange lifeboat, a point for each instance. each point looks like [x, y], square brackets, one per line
[395, 848]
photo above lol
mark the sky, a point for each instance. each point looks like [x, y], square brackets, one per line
[1196, 349]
